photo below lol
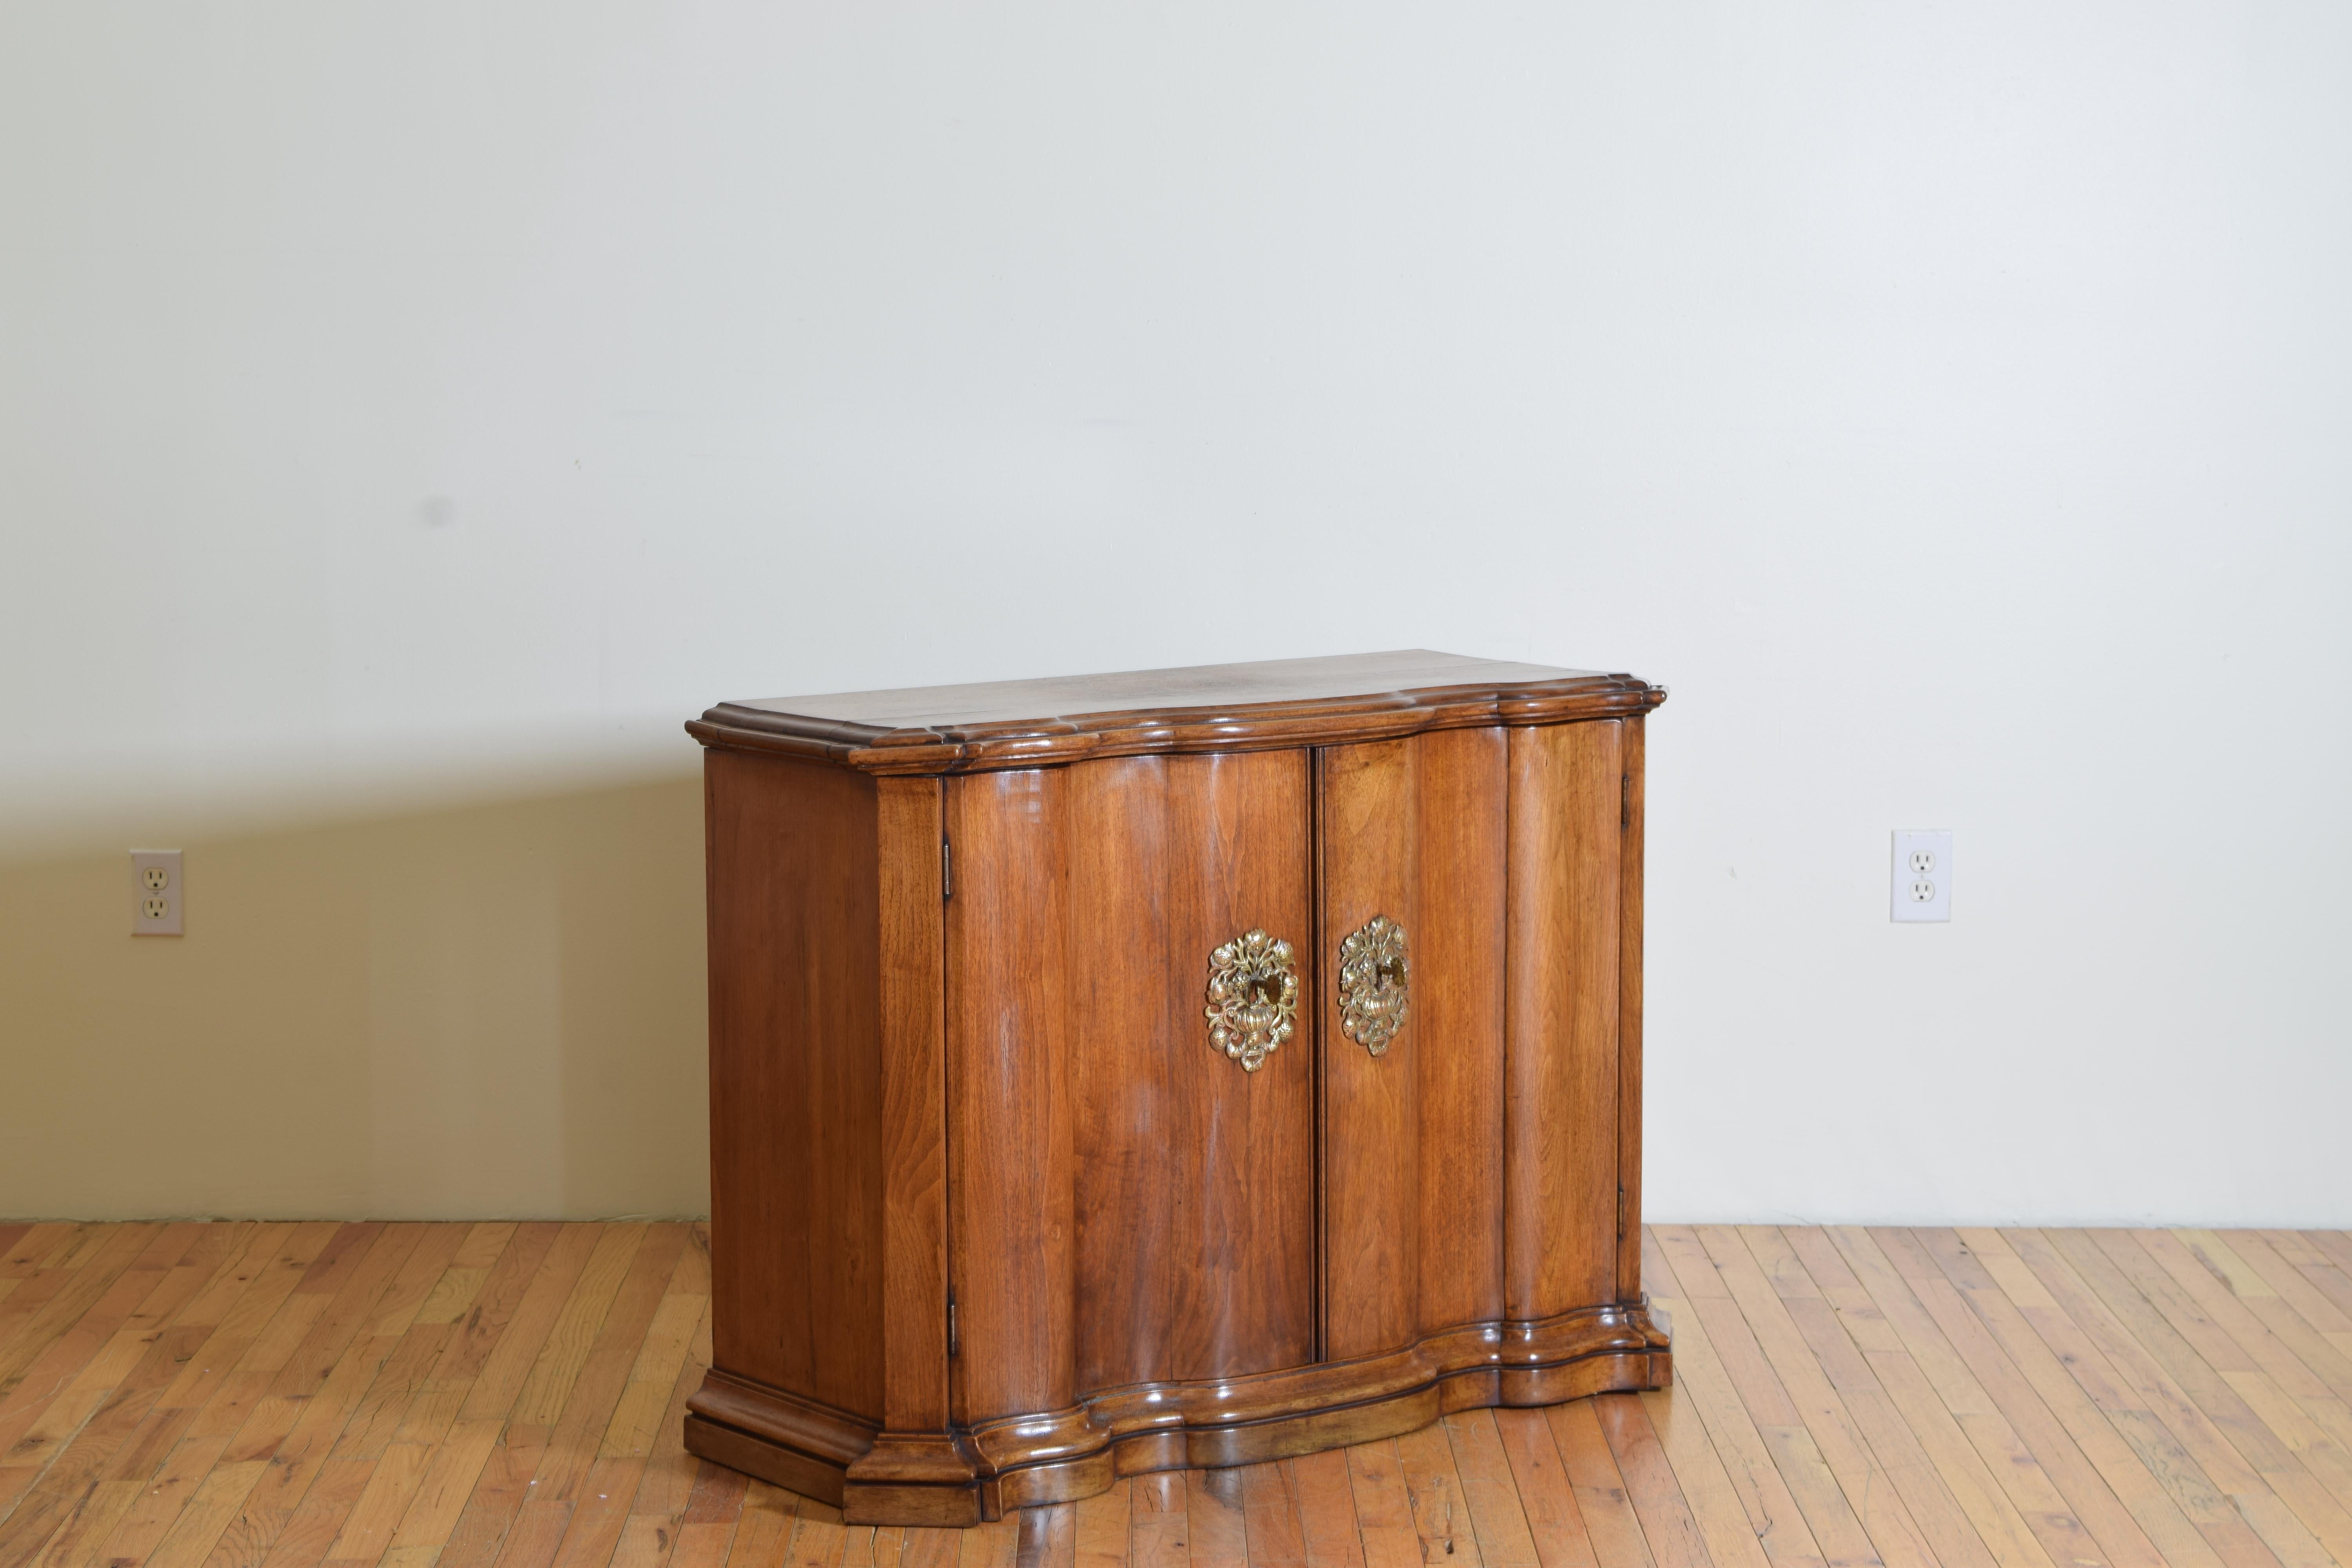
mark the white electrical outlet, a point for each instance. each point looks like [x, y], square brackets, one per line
[1923, 874]
[155, 892]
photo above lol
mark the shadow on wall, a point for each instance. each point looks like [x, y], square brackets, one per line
[490, 1011]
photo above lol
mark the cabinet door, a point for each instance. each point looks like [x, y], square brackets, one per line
[1128, 1204]
[1414, 830]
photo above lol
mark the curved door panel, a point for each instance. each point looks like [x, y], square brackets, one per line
[1130, 1203]
[1414, 830]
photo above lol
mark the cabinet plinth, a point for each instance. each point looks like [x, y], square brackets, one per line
[1182, 1068]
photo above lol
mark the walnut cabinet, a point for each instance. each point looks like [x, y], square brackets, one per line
[1184, 1068]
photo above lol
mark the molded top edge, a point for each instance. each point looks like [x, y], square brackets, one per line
[1291, 702]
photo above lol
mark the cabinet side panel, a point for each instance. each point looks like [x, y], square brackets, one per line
[913, 1107]
[1371, 1121]
[1011, 1227]
[1195, 1179]
[1628, 1018]
[1457, 1027]
[1560, 1227]
[795, 1080]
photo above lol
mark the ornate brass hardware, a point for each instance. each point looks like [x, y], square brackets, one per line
[1253, 997]
[1372, 984]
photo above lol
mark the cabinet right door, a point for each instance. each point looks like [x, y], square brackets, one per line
[1469, 1152]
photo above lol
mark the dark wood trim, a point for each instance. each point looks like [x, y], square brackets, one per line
[1061, 1456]
[1245, 727]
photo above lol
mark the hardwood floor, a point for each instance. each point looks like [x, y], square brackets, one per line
[249, 1395]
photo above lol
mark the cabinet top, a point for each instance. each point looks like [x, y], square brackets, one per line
[1203, 708]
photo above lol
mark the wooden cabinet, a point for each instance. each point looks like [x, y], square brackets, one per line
[1180, 1067]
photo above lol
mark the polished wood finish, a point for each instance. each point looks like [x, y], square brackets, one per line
[796, 979]
[997, 1224]
[1195, 1229]
[910, 820]
[1560, 1122]
[502, 1396]
[1413, 1138]
[1288, 702]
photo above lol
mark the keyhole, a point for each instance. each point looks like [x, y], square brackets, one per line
[1391, 973]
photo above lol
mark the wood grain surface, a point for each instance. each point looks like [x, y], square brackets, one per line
[1413, 1138]
[797, 1102]
[1560, 1117]
[505, 1395]
[1129, 1204]
[1294, 702]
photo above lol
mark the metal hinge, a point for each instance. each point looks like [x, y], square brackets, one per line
[947, 870]
[954, 1346]
[1621, 1214]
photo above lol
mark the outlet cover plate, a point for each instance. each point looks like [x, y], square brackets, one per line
[156, 892]
[1921, 889]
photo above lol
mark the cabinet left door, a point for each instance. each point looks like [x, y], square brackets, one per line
[1128, 1204]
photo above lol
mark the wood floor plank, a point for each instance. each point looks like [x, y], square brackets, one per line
[1609, 1521]
[174, 1286]
[1772, 1514]
[2289, 1280]
[1102, 1531]
[1706, 1488]
[1218, 1530]
[51, 1315]
[993, 1545]
[2248, 1465]
[92, 1482]
[1441, 1515]
[1829, 1436]
[1327, 1509]
[2332, 1270]
[1384, 1520]
[1657, 1497]
[1850, 1507]
[2181, 1452]
[505, 1394]
[99, 1300]
[1160, 1529]
[225, 1381]
[1941, 1479]
[67, 1467]
[1484, 1467]
[2242, 1399]
[1049, 1537]
[1546, 1497]
[1273, 1534]
[2287, 1350]
[589, 1405]
[507, 1366]
[665, 1491]
[2035, 1432]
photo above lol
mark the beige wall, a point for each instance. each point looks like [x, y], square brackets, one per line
[1947, 401]
[491, 1010]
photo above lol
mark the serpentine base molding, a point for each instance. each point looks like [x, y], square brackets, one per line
[969, 1475]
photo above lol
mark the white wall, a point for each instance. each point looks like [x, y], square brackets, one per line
[409, 406]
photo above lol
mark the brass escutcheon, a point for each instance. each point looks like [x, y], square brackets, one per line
[1373, 984]
[1253, 997]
